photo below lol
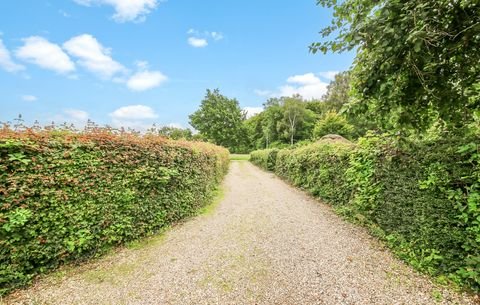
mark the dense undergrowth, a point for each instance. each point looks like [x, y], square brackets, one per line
[67, 196]
[421, 197]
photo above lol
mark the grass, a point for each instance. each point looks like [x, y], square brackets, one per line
[217, 197]
[239, 157]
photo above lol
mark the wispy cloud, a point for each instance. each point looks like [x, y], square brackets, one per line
[29, 98]
[199, 39]
[6, 61]
[125, 10]
[39, 51]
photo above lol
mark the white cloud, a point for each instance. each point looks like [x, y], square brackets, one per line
[29, 98]
[145, 80]
[216, 36]
[251, 111]
[263, 92]
[6, 61]
[77, 115]
[39, 51]
[134, 112]
[142, 64]
[308, 85]
[197, 42]
[199, 39]
[137, 117]
[125, 10]
[93, 56]
[304, 79]
[330, 75]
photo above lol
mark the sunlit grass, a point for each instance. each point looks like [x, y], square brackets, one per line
[239, 157]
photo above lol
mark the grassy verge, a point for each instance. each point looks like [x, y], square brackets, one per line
[239, 157]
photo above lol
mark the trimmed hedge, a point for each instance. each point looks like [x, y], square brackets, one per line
[318, 168]
[266, 158]
[67, 196]
[422, 198]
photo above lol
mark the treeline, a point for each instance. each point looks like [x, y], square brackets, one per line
[284, 121]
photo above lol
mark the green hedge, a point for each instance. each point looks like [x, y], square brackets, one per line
[318, 168]
[264, 158]
[66, 196]
[422, 198]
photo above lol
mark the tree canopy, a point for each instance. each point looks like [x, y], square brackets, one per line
[417, 60]
[220, 120]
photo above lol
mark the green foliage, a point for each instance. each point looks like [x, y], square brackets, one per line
[421, 197]
[173, 133]
[295, 114]
[67, 196]
[318, 168]
[285, 120]
[338, 92]
[265, 158]
[220, 120]
[416, 60]
[332, 123]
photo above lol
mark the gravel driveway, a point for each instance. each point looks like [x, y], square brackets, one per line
[265, 243]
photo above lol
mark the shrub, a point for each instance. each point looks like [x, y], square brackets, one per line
[67, 196]
[265, 158]
[333, 123]
[425, 198]
[318, 168]
[421, 197]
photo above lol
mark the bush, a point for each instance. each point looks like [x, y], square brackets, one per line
[333, 123]
[421, 197]
[319, 168]
[265, 158]
[67, 196]
[425, 199]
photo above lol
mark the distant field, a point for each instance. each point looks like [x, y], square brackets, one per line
[238, 157]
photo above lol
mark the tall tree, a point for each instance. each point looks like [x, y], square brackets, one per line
[295, 115]
[338, 92]
[417, 60]
[220, 120]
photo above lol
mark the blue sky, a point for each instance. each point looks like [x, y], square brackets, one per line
[135, 62]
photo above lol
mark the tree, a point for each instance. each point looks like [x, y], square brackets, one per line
[417, 60]
[333, 123]
[253, 127]
[295, 114]
[175, 133]
[220, 120]
[337, 92]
